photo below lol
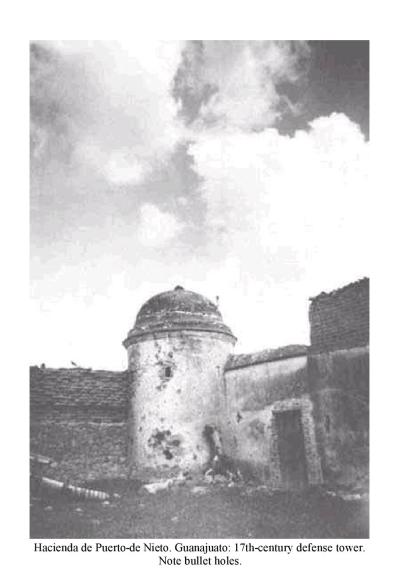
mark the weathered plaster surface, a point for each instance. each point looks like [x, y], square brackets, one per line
[339, 385]
[256, 386]
[252, 395]
[170, 409]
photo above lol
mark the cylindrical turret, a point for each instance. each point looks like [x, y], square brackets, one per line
[177, 351]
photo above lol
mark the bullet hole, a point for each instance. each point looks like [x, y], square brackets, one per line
[327, 424]
[166, 443]
[238, 417]
[158, 437]
[140, 429]
[168, 372]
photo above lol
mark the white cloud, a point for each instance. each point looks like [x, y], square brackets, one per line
[287, 209]
[120, 167]
[290, 212]
[156, 227]
[108, 103]
[275, 218]
[237, 82]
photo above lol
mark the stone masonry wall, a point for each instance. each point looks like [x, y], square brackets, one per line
[340, 319]
[78, 417]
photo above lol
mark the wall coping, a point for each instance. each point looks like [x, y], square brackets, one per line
[237, 361]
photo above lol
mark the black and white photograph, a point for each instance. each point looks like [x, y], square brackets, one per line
[199, 289]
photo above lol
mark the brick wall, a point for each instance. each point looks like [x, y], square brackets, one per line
[79, 418]
[340, 319]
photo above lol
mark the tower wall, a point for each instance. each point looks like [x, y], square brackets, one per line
[177, 391]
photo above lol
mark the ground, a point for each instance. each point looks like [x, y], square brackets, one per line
[209, 511]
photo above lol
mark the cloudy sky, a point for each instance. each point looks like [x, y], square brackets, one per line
[237, 169]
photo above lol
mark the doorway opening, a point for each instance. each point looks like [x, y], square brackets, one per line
[291, 449]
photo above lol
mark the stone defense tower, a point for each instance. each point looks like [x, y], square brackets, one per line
[177, 351]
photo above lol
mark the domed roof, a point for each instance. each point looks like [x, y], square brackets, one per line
[177, 309]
